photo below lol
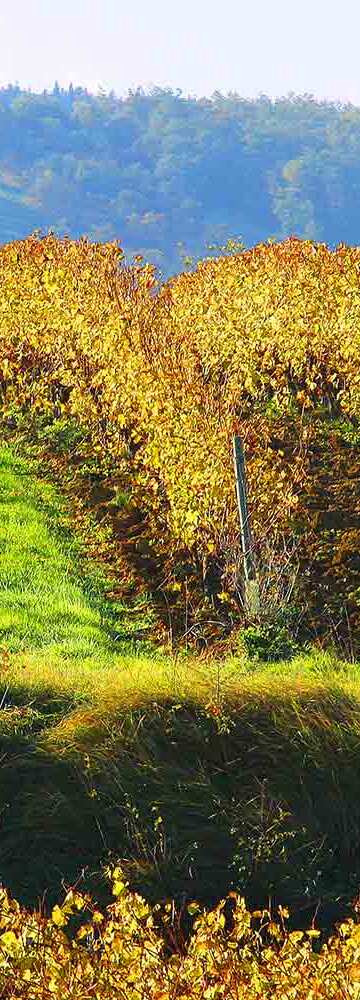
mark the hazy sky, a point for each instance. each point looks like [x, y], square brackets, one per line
[198, 46]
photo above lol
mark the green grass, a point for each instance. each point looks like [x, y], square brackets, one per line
[43, 603]
[200, 776]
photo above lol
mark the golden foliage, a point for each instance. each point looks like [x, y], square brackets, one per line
[264, 343]
[79, 951]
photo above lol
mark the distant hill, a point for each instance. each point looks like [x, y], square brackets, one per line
[166, 174]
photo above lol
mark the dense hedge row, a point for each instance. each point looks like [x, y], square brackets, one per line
[264, 343]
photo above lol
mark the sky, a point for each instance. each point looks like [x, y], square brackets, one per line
[196, 46]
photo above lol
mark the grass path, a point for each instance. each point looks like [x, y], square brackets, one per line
[41, 602]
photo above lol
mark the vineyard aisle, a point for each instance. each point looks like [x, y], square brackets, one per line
[42, 603]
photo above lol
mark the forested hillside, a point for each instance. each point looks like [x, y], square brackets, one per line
[167, 174]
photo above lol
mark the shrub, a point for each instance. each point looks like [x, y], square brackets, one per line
[133, 952]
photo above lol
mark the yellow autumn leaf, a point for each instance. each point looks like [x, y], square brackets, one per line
[118, 887]
[354, 972]
[58, 917]
[9, 942]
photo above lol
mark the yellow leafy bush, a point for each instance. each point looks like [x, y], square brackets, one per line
[264, 343]
[122, 952]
